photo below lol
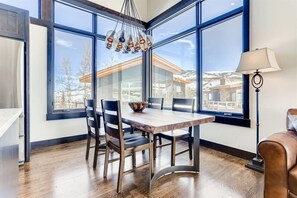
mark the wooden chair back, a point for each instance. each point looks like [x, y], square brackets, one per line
[155, 103]
[93, 124]
[183, 105]
[112, 118]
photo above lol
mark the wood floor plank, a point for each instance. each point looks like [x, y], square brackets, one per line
[61, 171]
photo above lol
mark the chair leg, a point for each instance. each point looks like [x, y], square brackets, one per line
[131, 130]
[96, 153]
[190, 148]
[143, 134]
[88, 146]
[155, 146]
[133, 160]
[121, 172]
[160, 140]
[173, 149]
[106, 161]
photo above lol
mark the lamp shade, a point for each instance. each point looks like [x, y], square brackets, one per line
[262, 60]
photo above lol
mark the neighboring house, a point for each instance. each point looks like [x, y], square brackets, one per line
[121, 81]
[221, 91]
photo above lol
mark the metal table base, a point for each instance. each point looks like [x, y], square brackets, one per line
[195, 168]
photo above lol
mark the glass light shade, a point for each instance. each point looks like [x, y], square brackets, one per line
[141, 38]
[132, 35]
[110, 36]
[114, 44]
[122, 36]
[149, 40]
[120, 45]
[137, 46]
[262, 60]
[130, 42]
[144, 47]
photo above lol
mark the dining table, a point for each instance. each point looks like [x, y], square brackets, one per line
[154, 121]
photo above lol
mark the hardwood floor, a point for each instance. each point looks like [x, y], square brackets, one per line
[61, 171]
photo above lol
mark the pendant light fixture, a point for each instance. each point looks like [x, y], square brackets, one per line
[128, 36]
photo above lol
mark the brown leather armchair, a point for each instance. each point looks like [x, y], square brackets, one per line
[279, 152]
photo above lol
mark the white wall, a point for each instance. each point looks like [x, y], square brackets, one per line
[40, 128]
[117, 4]
[273, 25]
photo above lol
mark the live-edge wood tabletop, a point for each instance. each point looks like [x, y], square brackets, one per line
[156, 121]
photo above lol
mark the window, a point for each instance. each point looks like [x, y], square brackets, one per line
[76, 47]
[73, 17]
[30, 5]
[72, 63]
[215, 8]
[104, 24]
[189, 59]
[185, 21]
[174, 70]
[221, 50]
[119, 76]
[202, 65]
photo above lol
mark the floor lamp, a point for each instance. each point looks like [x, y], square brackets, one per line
[257, 62]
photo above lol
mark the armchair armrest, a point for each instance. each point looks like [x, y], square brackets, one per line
[279, 152]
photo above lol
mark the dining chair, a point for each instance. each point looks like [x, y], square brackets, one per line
[182, 105]
[125, 145]
[94, 130]
[155, 103]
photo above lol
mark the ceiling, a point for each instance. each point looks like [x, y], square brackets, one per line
[148, 9]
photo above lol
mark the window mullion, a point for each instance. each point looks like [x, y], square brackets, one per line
[94, 58]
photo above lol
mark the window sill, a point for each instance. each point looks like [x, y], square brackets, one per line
[236, 121]
[65, 115]
[230, 120]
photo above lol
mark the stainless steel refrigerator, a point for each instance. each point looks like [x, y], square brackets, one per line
[12, 81]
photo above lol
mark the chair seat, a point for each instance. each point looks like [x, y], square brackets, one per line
[174, 133]
[131, 140]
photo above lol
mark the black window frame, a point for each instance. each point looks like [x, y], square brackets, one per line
[50, 23]
[46, 18]
[238, 119]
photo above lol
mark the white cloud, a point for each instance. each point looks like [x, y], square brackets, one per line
[190, 43]
[64, 43]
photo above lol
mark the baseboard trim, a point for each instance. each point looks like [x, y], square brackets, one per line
[229, 150]
[53, 142]
[215, 146]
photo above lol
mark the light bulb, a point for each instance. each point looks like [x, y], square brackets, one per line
[120, 45]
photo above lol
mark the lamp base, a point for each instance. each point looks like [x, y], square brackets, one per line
[256, 164]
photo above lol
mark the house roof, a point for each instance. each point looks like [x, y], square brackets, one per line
[158, 61]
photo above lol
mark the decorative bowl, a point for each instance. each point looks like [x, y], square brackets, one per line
[138, 106]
